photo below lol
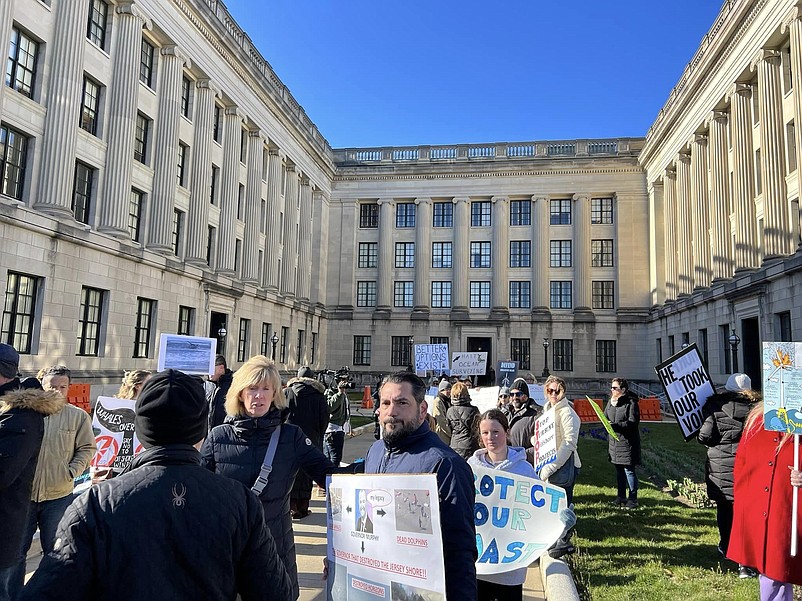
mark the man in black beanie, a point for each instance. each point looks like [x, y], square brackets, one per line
[524, 414]
[166, 528]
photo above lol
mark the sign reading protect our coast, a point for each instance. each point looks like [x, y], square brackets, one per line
[782, 386]
[113, 425]
[687, 385]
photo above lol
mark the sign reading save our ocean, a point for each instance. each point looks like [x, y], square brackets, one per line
[687, 385]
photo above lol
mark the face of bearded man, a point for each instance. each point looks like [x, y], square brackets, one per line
[399, 413]
[518, 400]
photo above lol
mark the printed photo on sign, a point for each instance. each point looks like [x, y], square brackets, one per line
[782, 386]
[189, 354]
[412, 511]
[405, 592]
[687, 385]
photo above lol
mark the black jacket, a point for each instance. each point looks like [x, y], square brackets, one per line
[522, 426]
[237, 449]
[22, 427]
[463, 420]
[724, 416]
[166, 529]
[625, 421]
[217, 399]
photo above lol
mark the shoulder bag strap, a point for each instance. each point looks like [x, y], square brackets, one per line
[267, 464]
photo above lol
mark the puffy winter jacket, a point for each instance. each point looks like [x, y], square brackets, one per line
[522, 426]
[625, 420]
[216, 397]
[310, 412]
[463, 421]
[422, 452]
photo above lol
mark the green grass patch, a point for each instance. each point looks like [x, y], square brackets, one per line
[664, 549]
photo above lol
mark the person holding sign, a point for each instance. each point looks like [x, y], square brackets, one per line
[624, 453]
[462, 421]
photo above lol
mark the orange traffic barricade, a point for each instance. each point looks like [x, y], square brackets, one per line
[650, 410]
[367, 400]
[586, 412]
[78, 395]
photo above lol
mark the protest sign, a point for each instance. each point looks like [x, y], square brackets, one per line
[113, 425]
[484, 398]
[506, 373]
[384, 538]
[782, 386]
[517, 519]
[431, 357]
[537, 394]
[189, 354]
[545, 439]
[602, 418]
[468, 364]
[687, 385]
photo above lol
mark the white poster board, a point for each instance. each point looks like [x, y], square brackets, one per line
[545, 439]
[687, 385]
[468, 364]
[189, 354]
[113, 424]
[431, 357]
[384, 538]
[484, 398]
[782, 386]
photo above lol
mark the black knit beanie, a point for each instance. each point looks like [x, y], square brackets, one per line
[521, 386]
[171, 409]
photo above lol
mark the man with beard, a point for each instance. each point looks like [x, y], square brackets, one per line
[408, 446]
[523, 415]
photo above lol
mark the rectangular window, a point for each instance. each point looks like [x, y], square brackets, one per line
[366, 294]
[135, 214]
[243, 146]
[240, 201]
[97, 23]
[178, 230]
[403, 294]
[82, 192]
[601, 210]
[671, 347]
[603, 295]
[237, 254]
[210, 242]
[520, 212]
[186, 96]
[213, 189]
[21, 68]
[404, 254]
[519, 295]
[702, 342]
[368, 254]
[186, 321]
[723, 348]
[443, 214]
[405, 214]
[659, 344]
[441, 255]
[562, 354]
[146, 57]
[145, 313]
[285, 333]
[686, 339]
[217, 129]
[441, 295]
[89, 321]
[313, 348]
[560, 211]
[90, 104]
[784, 327]
[13, 157]
[141, 135]
[605, 356]
[242, 342]
[400, 351]
[480, 295]
[561, 295]
[299, 351]
[361, 350]
[480, 213]
[183, 157]
[480, 254]
[519, 351]
[438, 340]
[790, 146]
[520, 253]
[758, 174]
[19, 311]
[264, 345]
[560, 253]
[601, 253]
[369, 215]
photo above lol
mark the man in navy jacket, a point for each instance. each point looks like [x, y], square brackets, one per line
[408, 446]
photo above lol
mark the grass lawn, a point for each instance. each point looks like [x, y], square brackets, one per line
[663, 550]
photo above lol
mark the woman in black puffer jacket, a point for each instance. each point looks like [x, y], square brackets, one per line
[725, 414]
[624, 453]
[237, 449]
[463, 419]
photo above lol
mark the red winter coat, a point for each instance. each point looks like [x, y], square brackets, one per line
[761, 526]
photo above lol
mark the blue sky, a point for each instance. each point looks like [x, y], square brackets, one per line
[398, 73]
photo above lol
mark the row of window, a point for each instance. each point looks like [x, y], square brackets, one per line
[562, 352]
[561, 294]
[601, 212]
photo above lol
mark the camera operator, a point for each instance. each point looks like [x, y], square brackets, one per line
[339, 414]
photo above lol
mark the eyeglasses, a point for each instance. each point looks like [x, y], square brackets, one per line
[516, 394]
[615, 388]
[503, 396]
[552, 391]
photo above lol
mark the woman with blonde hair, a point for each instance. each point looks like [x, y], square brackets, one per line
[132, 383]
[243, 448]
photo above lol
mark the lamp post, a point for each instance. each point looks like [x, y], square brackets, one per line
[734, 340]
[545, 357]
[274, 341]
[411, 358]
[221, 339]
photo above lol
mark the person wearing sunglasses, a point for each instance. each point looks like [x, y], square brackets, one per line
[523, 415]
[624, 453]
[503, 403]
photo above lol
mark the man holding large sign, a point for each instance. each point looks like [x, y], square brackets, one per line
[687, 385]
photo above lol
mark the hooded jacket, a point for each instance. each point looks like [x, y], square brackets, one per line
[624, 419]
[216, 396]
[462, 421]
[308, 408]
[22, 426]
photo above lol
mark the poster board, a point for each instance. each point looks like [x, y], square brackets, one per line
[544, 440]
[687, 385]
[431, 357]
[506, 373]
[782, 386]
[189, 354]
[468, 364]
[113, 425]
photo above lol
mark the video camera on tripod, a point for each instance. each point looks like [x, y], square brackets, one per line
[332, 378]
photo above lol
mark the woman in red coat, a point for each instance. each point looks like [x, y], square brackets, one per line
[761, 527]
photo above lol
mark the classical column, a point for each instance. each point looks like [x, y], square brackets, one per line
[500, 254]
[699, 213]
[540, 255]
[63, 108]
[320, 246]
[423, 253]
[273, 231]
[165, 150]
[123, 94]
[581, 232]
[459, 256]
[253, 200]
[657, 243]
[745, 243]
[201, 176]
[670, 232]
[289, 256]
[795, 30]
[305, 240]
[684, 251]
[6, 20]
[719, 202]
[229, 191]
[385, 262]
[777, 232]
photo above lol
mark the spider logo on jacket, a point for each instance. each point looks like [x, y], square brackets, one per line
[178, 495]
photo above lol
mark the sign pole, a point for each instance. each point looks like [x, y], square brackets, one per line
[795, 503]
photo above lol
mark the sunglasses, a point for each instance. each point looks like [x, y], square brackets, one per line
[503, 396]
[516, 394]
[615, 388]
[552, 391]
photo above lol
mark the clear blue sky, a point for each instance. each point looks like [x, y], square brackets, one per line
[409, 72]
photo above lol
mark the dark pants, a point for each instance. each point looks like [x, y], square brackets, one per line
[45, 514]
[627, 478]
[11, 579]
[724, 522]
[333, 446]
[490, 591]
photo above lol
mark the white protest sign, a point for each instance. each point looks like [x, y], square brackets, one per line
[189, 354]
[484, 398]
[545, 439]
[687, 386]
[517, 519]
[384, 538]
[431, 357]
[782, 386]
[468, 364]
[113, 423]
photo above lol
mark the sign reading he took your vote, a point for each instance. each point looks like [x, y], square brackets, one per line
[687, 385]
